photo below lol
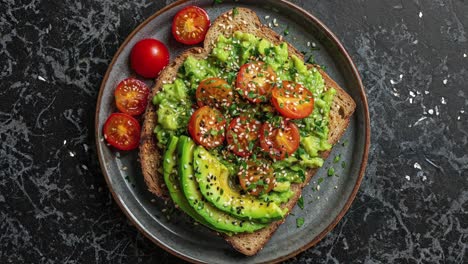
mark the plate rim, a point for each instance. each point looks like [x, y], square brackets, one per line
[362, 168]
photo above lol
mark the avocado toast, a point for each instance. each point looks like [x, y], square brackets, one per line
[209, 206]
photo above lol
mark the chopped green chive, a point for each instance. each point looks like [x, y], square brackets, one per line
[235, 11]
[337, 158]
[299, 222]
[300, 202]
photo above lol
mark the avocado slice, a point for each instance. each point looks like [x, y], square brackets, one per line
[172, 181]
[216, 218]
[216, 187]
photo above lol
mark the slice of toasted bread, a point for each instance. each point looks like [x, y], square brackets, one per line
[247, 21]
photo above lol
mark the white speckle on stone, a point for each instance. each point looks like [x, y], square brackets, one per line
[401, 76]
[314, 45]
[84, 167]
[430, 111]
[411, 100]
[424, 178]
[408, 177]
[392, 81]
[420, 14]
[442, 100]
[458, 117]
[464, 55]
[71, 154]
[436, 110]
[269, 24]
[445, 81]
[318, 187]
[267, 17]
[426, 92]
[415, 42]
[40, 78]
[462, 111]
[65, 142]
[417, 166]
[308, 43]
[411, 93]
[419, 120]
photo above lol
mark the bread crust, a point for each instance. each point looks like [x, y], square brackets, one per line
[247, 21]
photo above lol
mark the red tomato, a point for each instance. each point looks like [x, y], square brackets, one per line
[190, 25]
[206, 126]
[214, 92]
[131, 96]
[148, 57]
[278, 141]
[242, 135]
[255, 81]
[292, 100]
[256, 177]
[122, 131]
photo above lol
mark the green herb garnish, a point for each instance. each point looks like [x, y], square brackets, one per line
[331, 172]
[235, 11]
[337, 158]
[299, 222]
[300, 202]
[319, 181]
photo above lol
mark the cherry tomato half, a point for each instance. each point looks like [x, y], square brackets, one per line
[122, 131]
[206, 126]
[214, 92]
[148, 57]
[256, 177]
[292, 100]
[190, 25]
[279, 140]
[131, 96]
[242, 135]
[255, 80]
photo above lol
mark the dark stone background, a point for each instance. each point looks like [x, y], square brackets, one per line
[413, 204]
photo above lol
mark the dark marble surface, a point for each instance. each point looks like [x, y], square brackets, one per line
[413, 204]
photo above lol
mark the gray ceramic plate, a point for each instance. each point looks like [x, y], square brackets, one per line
[323, 208]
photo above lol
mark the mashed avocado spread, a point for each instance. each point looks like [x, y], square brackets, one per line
[176, 104]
